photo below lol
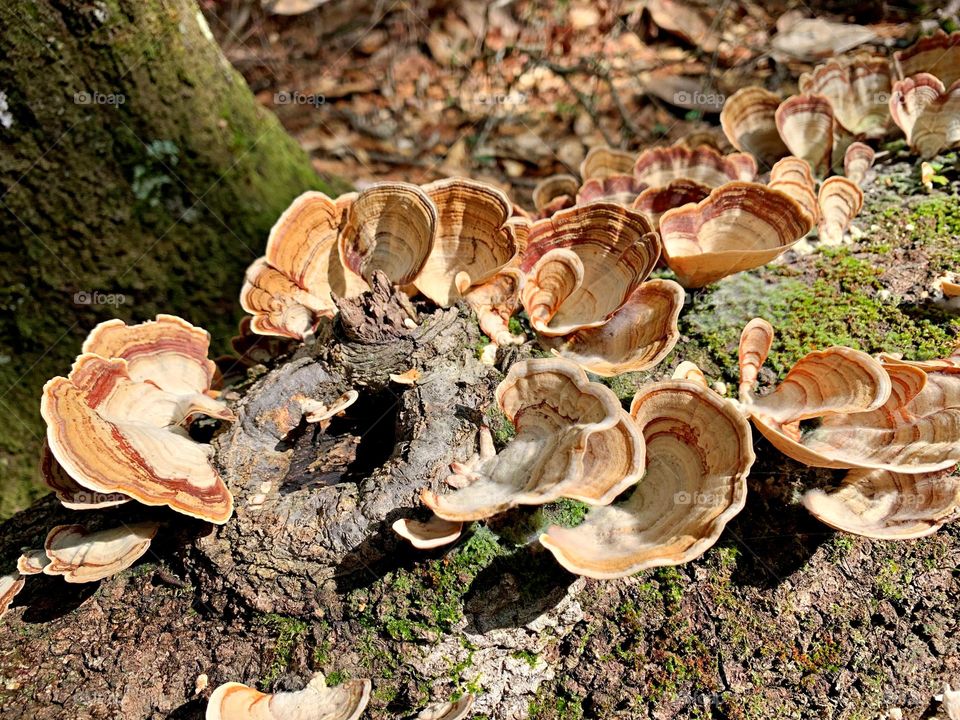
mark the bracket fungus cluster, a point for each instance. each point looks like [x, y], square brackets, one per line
[117, 432]
[661, 480]
[893, 424]
[690, 446]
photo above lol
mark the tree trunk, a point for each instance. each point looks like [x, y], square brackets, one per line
[138, 176]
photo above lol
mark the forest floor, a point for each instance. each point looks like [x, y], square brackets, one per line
[782, 618]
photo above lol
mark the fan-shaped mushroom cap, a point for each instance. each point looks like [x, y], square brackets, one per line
[289, 289]
[689, 371]
[603, 161]
[857, 89]
[638, 336]
[235, 701]
[838, 380]
[112, 434]
[749, 121]
[885, 415]
[495, 302]
[950, 289]
[391, 227]
[857, 160]
[573, 440]
[654, 202]
[755, 343]
[740, 226]
[81, 556]
[937, 54]
[453, 710]
[792, 169]
[433, 533]
[792, 176]
[582, 264]
[548, 191]
[168, 351]
[32, 562]
[805, 123]
[840, 200]
[927, 112]
[473, 238]
[621, 189]
[889, 506]
[699, 455]
[658, 166]
[10, 585]
[71, 494]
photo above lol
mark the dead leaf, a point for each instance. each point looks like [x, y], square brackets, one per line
[815, 38]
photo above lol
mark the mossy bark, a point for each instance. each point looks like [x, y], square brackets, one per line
[138, 176]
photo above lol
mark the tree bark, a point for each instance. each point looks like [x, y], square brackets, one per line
[138, 176]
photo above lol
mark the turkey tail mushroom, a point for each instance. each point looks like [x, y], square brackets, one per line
[840, 200]
[235, 701]
[699, 455]
[573, 440]
[740, 226]
[806, 125]
[928, 113]
[749, 121]
[657, 167]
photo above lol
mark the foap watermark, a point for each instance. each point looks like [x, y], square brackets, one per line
[698, 498]
[685, 98]
[295, 97]
[510, 98]
[92, 97]
[95, 297]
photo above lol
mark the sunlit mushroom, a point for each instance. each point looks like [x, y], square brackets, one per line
[621, 189]
[428, 534]
[80, 556]
[235, 701]
[749, 121]
[554, 193]
[115, 435]
[495, 302]
[581, 265]
[872, 414]
[740, 226]
[32, 561]
[857, 88]
[654, 202]
[573, 440]
[474, 238]
[10, 585]
[699, 453]
[603, 161]
[69, 492]
[659, 166]
[937, 54]
[886, 505]
[792, 176]
[391, 227]
[840, 200]
[928, 113]
[857, 160]
[807, 128]
[290, 289]
[638, 336]
[452, 710]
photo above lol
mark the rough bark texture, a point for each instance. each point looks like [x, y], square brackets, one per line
[138, 176]
[781, 619]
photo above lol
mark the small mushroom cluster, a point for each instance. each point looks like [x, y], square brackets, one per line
[449, 240]
[893, 424]
[663, 480]
[118, 431]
